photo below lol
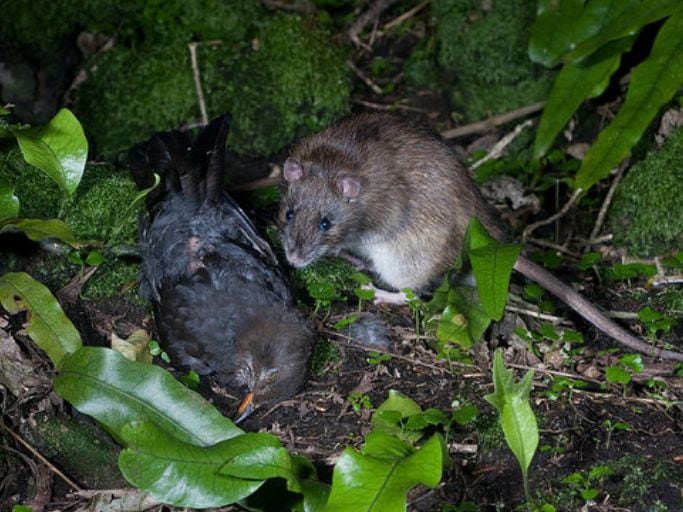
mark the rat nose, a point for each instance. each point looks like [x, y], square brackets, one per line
[295, 259]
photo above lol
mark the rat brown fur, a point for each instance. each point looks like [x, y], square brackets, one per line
[390, 190]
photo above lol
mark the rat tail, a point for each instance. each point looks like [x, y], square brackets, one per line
[193, 170]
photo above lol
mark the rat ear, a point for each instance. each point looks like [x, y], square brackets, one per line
[292, 170]
[349, 186]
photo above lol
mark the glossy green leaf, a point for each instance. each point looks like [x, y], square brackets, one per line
[39, 229]
[46, 324]
[183, 474]
[59, 149]
[9, 203]
[653, 83]
[115, 391]
[571, 87]
[379, 478]
[260, 464]
[516, 416]
[554, 31]
[616, 375]
[315, 493]
[399, 403]
[628, 23]
[492, 264]
[464, 319]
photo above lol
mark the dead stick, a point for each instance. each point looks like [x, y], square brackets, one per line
[492, 122]
[605, 204]
[198, 83]
[39, 456]
[362, 21]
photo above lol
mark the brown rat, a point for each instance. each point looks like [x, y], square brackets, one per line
[389, 190]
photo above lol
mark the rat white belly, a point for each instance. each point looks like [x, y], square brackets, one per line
[398, 269]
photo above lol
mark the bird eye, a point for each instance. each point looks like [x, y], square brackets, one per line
[272, 375]
[325, 224]
[289, 215]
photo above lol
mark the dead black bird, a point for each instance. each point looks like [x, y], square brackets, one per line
[221, 304]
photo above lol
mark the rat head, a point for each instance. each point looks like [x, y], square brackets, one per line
[316, 211]
[270, 359]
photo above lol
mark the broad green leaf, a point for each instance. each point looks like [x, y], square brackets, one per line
[9, 203]
[39, 229]
[59, 149]
[571, 87]
[183, 474]
[46, 324]
[616, 375]
[260, 464]
[554, 31]
[492, 264]
[633, 361]
[379, 478]
[399, 403]
[315, 492]
[115, 391]
[465, 414]
[464, 319]
[653, 83]
[628, 23]
[516, 416]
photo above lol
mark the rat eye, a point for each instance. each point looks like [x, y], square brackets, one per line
[272, 375]
[325, 224]
[289, 215]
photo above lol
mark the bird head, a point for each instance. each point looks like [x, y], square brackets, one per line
[270, 359]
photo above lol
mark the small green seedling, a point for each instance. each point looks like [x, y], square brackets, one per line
[628, 271]
[364, 291]
[191, 380]
[585, 484]
[621, 373]
[563, 385]
[611, 426]
[465, 414]
[589, 260]
[550, 259]
[92, 259]
[156, 350]
[418, 309]
[375, 358]
[516, 416]
[655, 321]
[359, 401]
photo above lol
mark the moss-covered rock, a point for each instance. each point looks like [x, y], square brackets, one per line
[646, 216]
[131, 94]
[113, 279]
[294, 80]
[285, 80]
[80, 449]
[484, 45]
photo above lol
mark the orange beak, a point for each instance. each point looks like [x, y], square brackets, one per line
[245, 408]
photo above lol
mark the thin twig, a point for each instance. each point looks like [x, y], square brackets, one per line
[531, 227]
[393, 106]
[551, 245]
[535, 314]
[39, 456]
[372, 85]
[554, 372]
[198, 83]
[666, 280]
[364, 19]
[605, 204]
[497, 149]
[492, 122]
[403, 17]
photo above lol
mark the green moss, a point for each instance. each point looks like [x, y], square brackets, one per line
[39, 196]
[131, 94]
[295, 81]
[324, 353]
[113, 279]
[327, 280]
[646, 215]
[80, 449]
[100, 209]
[486, 51]
[291, 81]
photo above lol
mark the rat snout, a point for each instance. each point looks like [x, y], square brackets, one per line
[295, 259]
